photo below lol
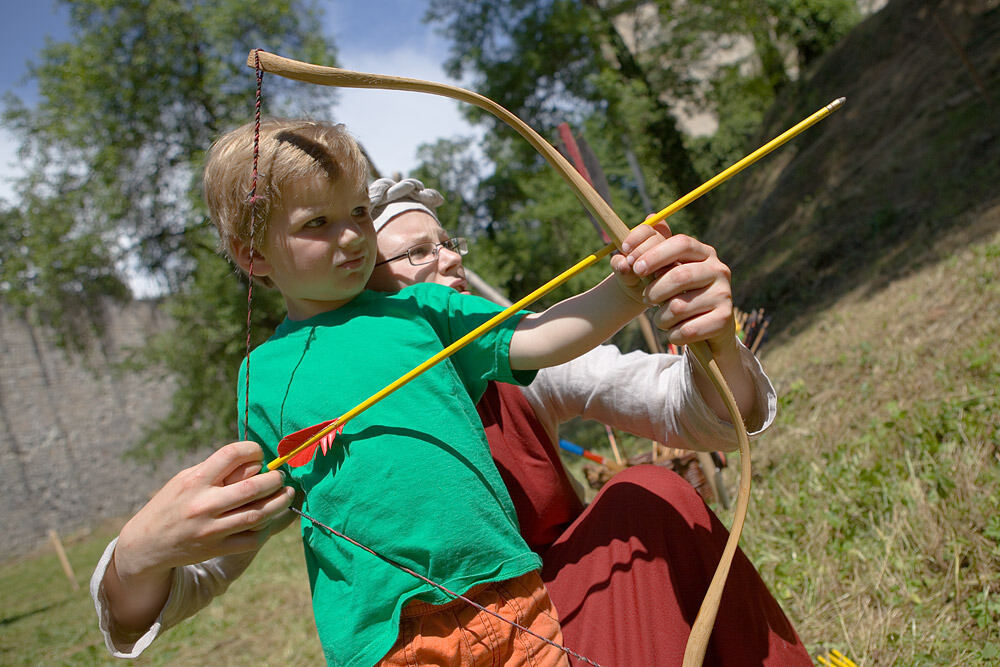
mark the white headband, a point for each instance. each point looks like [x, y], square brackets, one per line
[387, 199]
[395, 208]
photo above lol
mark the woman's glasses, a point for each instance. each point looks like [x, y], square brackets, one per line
[425, 253]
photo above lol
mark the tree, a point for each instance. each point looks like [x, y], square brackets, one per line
[113, 150]
[774, 42]
[528, 224]
[128, 108]
[638, 65]
[54, 272]
[555, 60]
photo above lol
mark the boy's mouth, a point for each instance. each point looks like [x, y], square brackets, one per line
[353, 263]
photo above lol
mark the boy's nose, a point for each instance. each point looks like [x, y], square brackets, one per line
[351, 233]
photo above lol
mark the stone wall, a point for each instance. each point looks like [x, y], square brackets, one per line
[66, 423]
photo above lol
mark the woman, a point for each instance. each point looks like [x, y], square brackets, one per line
[626, 574]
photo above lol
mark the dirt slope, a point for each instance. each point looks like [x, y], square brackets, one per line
[905, 174]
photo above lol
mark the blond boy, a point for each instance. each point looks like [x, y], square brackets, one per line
[412, 476]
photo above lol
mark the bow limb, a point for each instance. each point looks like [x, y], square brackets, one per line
[334, 76]
[616, 230]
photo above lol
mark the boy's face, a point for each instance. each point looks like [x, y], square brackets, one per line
[319, 248]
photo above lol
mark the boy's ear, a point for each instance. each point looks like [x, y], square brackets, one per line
[240, 252]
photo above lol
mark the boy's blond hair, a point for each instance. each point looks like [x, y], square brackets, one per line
[289, 150]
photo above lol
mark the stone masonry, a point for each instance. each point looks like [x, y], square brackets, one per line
[66, 423]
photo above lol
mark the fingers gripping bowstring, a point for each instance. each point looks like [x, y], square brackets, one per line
[252, 199]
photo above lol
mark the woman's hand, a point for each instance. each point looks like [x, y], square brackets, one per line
[687, 281]
[215, 508]
[218, 507]
[690, 284]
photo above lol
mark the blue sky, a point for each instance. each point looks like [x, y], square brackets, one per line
[381, 36]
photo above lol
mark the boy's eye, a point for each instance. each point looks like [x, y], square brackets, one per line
[315, 222]
[359, 212]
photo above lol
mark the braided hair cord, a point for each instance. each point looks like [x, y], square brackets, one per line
[253, 230]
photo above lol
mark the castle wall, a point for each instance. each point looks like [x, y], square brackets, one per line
[66, 424]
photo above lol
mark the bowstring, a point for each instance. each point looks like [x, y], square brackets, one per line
[252, 198]
[443, 589]
[253, 230]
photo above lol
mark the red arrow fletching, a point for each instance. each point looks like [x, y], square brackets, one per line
[295, 440]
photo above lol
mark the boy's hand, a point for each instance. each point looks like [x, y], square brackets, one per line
[218, 507]
[686, 279]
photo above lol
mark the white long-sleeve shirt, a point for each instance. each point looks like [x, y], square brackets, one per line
[649, 395]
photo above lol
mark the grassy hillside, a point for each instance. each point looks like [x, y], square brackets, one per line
[900, 177]
[264, 619]
[876, 508]
[874, 241]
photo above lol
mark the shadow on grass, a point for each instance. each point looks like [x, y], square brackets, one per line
[10, 620]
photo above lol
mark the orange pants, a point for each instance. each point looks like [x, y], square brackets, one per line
[459, 635]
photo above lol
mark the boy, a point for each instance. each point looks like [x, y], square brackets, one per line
[411, 477]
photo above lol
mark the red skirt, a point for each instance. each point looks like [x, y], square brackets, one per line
[628, 573]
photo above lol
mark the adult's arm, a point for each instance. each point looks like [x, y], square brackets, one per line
[650, 395]
[192, 587]
[220, 507]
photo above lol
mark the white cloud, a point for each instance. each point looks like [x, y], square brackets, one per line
[10, 168]
[393, 124]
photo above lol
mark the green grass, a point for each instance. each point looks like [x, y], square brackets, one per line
[875, 515]
[265, 618]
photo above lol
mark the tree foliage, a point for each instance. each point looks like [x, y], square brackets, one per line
[632, 68]
[55, 272]
[551, 61]
[743, 54]
[621, 72]
[125, 113]
[113, 150]
[528, 224]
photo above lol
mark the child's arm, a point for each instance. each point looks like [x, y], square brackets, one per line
[216, 508]
[685, 279]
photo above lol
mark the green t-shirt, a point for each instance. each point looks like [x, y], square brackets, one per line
[411, 477]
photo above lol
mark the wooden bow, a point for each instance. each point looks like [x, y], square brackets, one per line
[616, 230]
